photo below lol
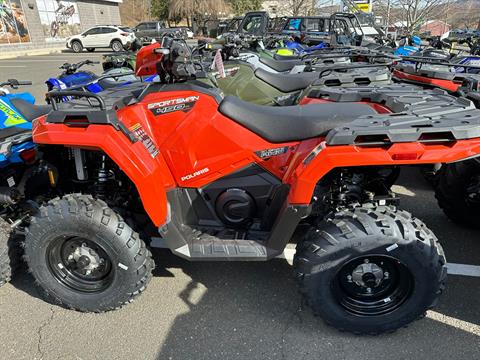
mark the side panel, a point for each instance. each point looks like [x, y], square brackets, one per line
[199, 144]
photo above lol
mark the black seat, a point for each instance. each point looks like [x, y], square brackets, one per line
[28, 110]
[285, 57]
[291, 123]
[287, 82]
[12, 131]
[281, 65]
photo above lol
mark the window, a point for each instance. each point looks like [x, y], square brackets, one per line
[294, 24]
[13, 25]
[105, 30]
[313, 24]
[59, 18]
[253, 25]
[93, 31]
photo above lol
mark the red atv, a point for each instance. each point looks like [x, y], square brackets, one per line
[222, 179]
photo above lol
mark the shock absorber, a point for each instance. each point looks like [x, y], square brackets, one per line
[102, 180]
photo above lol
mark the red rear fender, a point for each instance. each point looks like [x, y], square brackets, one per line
[324, 158]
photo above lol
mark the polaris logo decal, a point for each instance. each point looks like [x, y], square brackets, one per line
[264, 154]
[195, 174]
[168, 106]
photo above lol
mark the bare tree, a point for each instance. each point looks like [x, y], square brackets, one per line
[198, 8]
[301, 7]
[413, 13]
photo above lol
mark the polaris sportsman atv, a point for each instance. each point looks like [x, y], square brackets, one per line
[22, 176]
[144, 160]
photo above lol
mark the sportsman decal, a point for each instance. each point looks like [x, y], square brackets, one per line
[265, 154]
[143, 137]
[168, 106]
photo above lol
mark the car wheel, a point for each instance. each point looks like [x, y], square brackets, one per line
[116, 46]
[90, 49]
[77, 46]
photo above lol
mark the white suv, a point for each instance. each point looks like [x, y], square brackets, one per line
[103, 36]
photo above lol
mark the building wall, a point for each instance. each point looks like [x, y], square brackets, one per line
[435, 27]
[91, 12]
[94, 12]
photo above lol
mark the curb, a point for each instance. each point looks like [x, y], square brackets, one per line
[31, 52]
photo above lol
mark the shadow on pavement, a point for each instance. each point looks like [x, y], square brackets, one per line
[253, 311]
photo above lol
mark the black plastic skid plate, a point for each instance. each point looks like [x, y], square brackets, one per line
[418, 115]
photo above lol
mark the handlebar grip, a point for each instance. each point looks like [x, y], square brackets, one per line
[27, 82]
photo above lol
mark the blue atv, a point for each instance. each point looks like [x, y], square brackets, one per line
[300, 49]
[73, 78]
[409, 46]
[23, 176]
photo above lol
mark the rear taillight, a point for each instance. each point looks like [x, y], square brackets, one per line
[124, 34]
[29, 156]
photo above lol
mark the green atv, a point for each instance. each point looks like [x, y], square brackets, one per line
[262, 87]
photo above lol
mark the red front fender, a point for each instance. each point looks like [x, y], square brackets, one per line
[151, 176]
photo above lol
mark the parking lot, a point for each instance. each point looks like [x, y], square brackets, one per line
[235, 310]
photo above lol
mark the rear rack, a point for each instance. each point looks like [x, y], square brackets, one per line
[80, 116]
[425, 116]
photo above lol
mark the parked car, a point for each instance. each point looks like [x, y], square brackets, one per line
[147, 31]
[118, 38]
[189, 34]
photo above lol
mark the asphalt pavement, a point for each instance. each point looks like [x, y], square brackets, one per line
[235, 310]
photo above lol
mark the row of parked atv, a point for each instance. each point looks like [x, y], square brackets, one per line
[227, 151]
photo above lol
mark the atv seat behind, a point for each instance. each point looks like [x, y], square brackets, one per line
[28, 110]
[287, 82]
[291, 123]
[281, 65]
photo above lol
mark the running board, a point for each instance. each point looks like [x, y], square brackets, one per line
[218, 249]
[193, 244]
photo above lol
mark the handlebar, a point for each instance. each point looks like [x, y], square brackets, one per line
[14, 83]
[72, 68]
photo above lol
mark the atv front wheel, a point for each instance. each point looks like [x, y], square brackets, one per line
[457, 190]
[84, 256]
[370, 270]
[9, 252]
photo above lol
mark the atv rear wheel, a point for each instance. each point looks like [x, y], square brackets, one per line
[457, 190]
[9, 252]
[370, 270]
[84, 256]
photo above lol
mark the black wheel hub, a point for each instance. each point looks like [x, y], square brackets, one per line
[80, 264]
[473, 192]
[372, 285]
